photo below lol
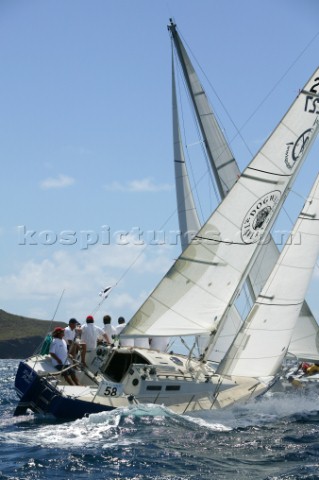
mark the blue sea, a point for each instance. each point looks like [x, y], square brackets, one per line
[275, 437]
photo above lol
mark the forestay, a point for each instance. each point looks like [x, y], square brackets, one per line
[195, 293]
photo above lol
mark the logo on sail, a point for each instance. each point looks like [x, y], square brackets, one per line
[259, 216]
[296, 149]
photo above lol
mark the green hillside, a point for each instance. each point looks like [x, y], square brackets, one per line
[21, 336]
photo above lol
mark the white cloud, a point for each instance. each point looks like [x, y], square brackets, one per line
[35, 287]
[61, 181]
[143, 185]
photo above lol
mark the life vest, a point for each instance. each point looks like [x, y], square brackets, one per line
[46, 345]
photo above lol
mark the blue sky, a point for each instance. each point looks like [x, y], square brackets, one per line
[86, 142]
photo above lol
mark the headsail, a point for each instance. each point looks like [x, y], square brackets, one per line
[260, 347]
[194, 295]
[304, 342]
[222, 163]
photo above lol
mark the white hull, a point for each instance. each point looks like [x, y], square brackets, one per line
[120, 377]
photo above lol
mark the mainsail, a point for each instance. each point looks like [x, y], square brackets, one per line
[262, 342]
[305, 341]
[195, 294]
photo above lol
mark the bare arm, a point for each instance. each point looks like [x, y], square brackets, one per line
[53, 355]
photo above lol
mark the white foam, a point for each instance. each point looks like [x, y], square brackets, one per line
[267, 409]
[109, 428]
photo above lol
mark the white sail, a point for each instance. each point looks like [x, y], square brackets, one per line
[189, 223]
[260, 347]
[195, 293]
[221, 158]
[305, 339]
[224, 166]
[224, 339]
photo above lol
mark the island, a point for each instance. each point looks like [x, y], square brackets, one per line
[22, 336]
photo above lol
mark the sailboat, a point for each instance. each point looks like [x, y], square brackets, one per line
[304, 344]
[197, 293]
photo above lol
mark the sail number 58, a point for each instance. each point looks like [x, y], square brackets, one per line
[110, 391]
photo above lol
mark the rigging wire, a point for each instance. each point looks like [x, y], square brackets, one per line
[273, 88]
[208, 171]
[238, 130]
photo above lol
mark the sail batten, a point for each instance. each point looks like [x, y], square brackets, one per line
[312, 94]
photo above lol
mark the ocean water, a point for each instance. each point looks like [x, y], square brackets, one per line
[275, 437]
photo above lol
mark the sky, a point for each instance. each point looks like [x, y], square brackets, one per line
[87, 185]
